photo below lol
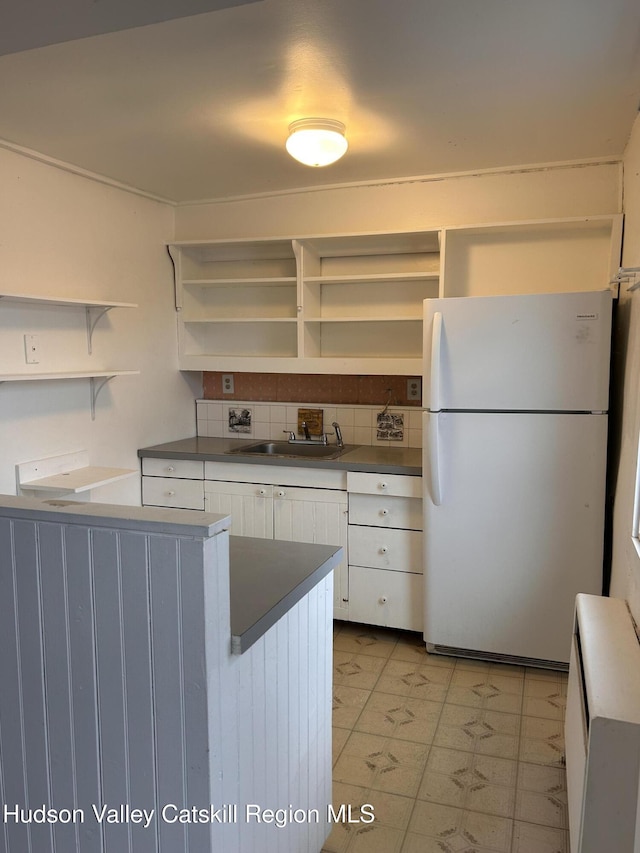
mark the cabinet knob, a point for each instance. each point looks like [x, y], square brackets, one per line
[383, 549]
[384, 512]
[169, 494]
[383, 485]
[262, 491]
[280, 493]
[170, 468]
[383, 599]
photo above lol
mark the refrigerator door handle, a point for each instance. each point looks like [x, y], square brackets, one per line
[434, 374]
[435, 480]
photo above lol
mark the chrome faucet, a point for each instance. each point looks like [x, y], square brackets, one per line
[305, 429]
[339, 441]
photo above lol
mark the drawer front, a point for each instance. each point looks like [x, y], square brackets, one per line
[383, 548]
[384, 484]
[384, 511]
[170, 492]
[380, 597]
[243, 472]
[188, 469]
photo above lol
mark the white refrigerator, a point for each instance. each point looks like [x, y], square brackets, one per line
[515, 397]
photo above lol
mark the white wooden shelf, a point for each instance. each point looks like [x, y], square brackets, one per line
[72, 374]
[373, 278]
[371, 319]
[239, 319]
[63, 301]
[80, 480]
[68, 473]
[94, 308]
[246, 282]
[92, 375]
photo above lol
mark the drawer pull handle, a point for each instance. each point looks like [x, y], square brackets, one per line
[384, 485]
[169, 494]
[170, 468]
[383, 599]
[384, 512]
[383, 549]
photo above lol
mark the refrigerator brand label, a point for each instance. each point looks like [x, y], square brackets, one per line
[586, 316]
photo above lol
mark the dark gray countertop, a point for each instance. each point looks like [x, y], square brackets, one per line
[381, 460]
[267, 578]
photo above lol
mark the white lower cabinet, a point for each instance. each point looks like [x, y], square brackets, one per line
[177, 484]
[290, 513]
[376, 518]
[385, 550]
[392, 599]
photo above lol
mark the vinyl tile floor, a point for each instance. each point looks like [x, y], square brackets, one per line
[455, 756]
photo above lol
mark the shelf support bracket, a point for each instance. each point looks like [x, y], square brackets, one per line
[96, 384]
[93, 314]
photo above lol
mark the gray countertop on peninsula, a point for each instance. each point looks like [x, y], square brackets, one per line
[382, 460]
[267, 578]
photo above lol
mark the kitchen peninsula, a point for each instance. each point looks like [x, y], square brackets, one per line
[144, 678]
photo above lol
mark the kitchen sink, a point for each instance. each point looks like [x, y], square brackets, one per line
[312, 450]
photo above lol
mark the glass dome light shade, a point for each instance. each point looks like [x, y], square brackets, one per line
[316, 142]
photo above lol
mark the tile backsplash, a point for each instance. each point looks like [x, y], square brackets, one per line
[270, 420]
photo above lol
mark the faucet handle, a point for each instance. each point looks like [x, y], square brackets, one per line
[290, 433]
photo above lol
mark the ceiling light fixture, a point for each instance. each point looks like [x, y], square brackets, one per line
[316, 141]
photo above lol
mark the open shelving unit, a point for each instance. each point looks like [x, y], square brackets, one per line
[94, 310]
[342, 303]
[353, 303]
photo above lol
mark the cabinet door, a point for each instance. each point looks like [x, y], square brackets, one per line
[318, 516]
[250, 506]
[387, 598]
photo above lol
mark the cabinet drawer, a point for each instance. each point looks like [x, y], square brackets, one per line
[384, 511]
[381, 548]
[384, 484]
[380, 597]
[187, 469]
[170, 492]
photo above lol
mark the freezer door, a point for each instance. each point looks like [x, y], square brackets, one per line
[514, 517]
[542, 352]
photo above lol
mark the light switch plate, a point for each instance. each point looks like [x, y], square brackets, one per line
[31, 349]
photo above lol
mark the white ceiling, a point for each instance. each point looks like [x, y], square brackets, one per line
[198, 108]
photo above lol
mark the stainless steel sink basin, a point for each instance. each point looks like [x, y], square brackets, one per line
[293, 451]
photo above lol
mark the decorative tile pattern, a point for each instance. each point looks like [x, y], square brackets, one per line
[403, 678]
[466, 780]
[348, 703]
[476, 730]
[356, 670]
[382, 763]
[542, 741]
[486, 689]
[544, 698]
[451, 830]
[542, 795]
[400, 717]
[385, 833]
[529, 838]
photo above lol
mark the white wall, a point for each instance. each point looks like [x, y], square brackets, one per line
[499, 197]
[626, 562]
[65, 235]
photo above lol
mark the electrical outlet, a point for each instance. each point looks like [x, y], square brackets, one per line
[31, 349]
[227, 383]
[414, 389]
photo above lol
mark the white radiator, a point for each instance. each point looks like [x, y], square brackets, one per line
[602, 729]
